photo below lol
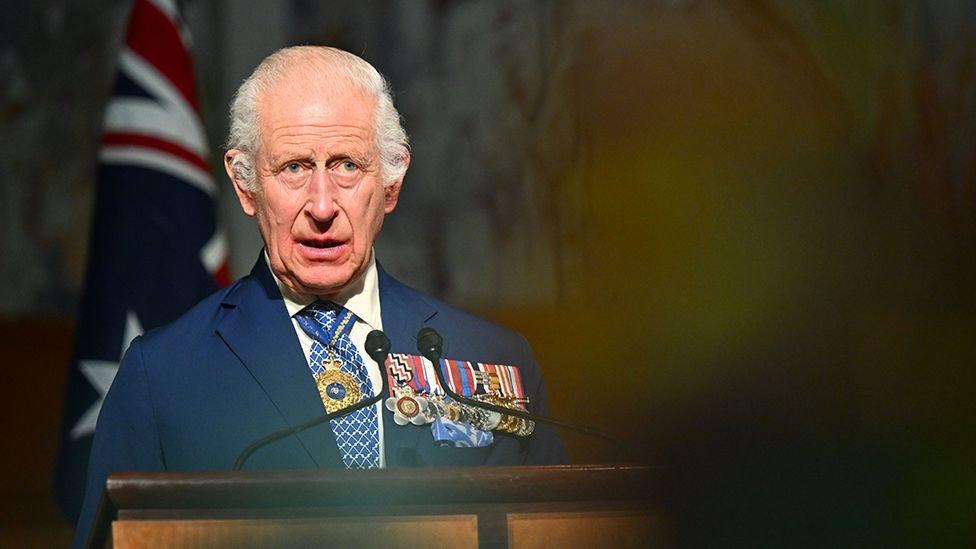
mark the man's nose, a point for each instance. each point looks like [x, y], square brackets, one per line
[321, 199]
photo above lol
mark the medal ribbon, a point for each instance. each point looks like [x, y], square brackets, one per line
[467, 378]
[317, 331]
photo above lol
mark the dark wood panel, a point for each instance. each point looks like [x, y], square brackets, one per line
[35, 355]
[35, 364]
[317, 488]
[448, 532]
[606, 493]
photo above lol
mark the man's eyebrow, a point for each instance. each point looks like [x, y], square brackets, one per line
[358, 156]
[278, 158]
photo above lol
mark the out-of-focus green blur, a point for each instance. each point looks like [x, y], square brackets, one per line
[778, 291]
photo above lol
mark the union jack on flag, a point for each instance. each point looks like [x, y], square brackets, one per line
[155, 247]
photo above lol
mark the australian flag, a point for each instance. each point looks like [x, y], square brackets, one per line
[155, 246]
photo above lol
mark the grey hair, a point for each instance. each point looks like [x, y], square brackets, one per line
[244, 135]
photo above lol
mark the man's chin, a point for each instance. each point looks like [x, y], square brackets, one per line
[320, 289]
[319, 284]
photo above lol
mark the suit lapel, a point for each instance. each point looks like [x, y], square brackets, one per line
[404, 312]
[259, 331]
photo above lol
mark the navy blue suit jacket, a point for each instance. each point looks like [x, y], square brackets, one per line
[192, 395]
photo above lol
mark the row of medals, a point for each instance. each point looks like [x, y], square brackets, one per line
[423, 409]
[339, 389]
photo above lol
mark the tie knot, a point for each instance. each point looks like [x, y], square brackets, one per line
[325, 321]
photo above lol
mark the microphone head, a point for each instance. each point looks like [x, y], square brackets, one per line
[430, 343]
[377, 346]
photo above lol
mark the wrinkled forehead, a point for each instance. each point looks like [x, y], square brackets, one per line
[315, 98]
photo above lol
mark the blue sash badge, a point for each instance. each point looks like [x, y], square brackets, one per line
[459, 435]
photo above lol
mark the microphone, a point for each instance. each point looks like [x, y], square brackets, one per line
[377, 347]
[430, 344]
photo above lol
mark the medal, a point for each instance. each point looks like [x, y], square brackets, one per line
[408, 407]
[337, 388]
[525, 427]
[442, 408]
[504, 422]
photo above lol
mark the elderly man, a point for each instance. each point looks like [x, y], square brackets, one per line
[317, 155]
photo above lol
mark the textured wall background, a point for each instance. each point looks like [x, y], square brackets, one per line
[739, 234]
[51, 103]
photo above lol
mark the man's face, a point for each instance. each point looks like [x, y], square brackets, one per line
[319, 201]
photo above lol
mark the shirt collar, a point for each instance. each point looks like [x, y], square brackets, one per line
[361, 297]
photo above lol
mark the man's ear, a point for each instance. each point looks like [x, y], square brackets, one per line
[392, 192]
[244, 194]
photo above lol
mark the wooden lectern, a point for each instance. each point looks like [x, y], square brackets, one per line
[559, 506]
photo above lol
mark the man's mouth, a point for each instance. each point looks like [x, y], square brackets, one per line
[322, 244]
[323, 249]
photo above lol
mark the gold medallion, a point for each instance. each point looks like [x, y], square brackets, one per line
[337, 389]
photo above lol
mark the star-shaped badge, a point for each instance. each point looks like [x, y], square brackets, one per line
[101, 373]
[408, 407]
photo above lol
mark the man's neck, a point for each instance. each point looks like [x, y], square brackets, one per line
[361, 295]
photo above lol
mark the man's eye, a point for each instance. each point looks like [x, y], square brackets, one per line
[348, 166]
[293, 167]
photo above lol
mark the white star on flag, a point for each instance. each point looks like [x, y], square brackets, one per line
[100, 374]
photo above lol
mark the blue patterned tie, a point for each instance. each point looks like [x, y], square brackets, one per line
[357, 434]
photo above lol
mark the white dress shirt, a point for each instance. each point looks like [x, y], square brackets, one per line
[362, 298]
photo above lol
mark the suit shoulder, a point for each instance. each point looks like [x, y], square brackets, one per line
[199, 320]
[469, 322]
[465, 332]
